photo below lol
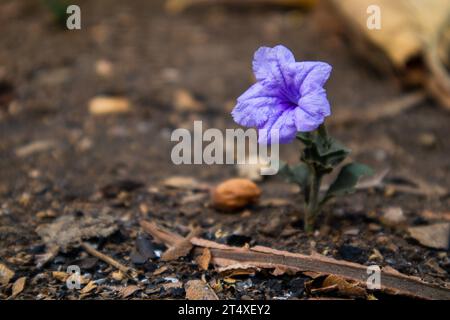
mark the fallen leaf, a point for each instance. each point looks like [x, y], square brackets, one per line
[128, 291]
[6, 274]
[408, 31]
[60, 275]
[199, 290]
[88, 288]
[172, 285]
[181, 248]
[435, 236]
[344, 287]
[18, 286]
[434, 265]
[69, 230]
[185, 101]
[108, 105]
[160, 270]
[236, 269]
[406, 27]
[204, 259]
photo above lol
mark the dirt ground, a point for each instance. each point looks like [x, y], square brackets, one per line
[86, 163]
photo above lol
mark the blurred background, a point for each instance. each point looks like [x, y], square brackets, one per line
[79, 108]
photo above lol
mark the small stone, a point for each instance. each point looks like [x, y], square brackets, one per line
[352, 232]
[427, 139]
[435, 236]
[104, 68]
[393, 217]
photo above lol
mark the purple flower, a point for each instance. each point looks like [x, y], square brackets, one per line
[288, 96]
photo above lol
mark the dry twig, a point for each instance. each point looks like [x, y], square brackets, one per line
[261, 257]
[116, 264]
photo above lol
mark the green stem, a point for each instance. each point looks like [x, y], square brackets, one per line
[313, 203]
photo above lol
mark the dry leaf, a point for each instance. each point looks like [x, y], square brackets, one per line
[172, 285]
[128, 291]
[235, 194]
[406, 25]
[161, 270]
[108, 105]
[18, 286]
[185, 101]
[88, 288]
[69, 230]
[181, 248]
[344, 287]
[59, 275]
[6, 274]
[204, 259]
[408, 30]
[435, 236]
[199, 290]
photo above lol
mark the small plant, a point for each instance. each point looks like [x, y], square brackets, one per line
[288, 101]
[58, 10]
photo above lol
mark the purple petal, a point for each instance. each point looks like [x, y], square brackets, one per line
[315, 103]
[256, 106]
[268, 63]
[306, 122]
[315, 78]
[283, 126]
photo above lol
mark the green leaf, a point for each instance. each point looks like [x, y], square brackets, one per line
[334, 147]
[306, 137]
[301, 174]
[347, 179]
[296, 174]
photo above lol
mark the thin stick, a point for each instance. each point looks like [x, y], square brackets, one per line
[94, 252]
